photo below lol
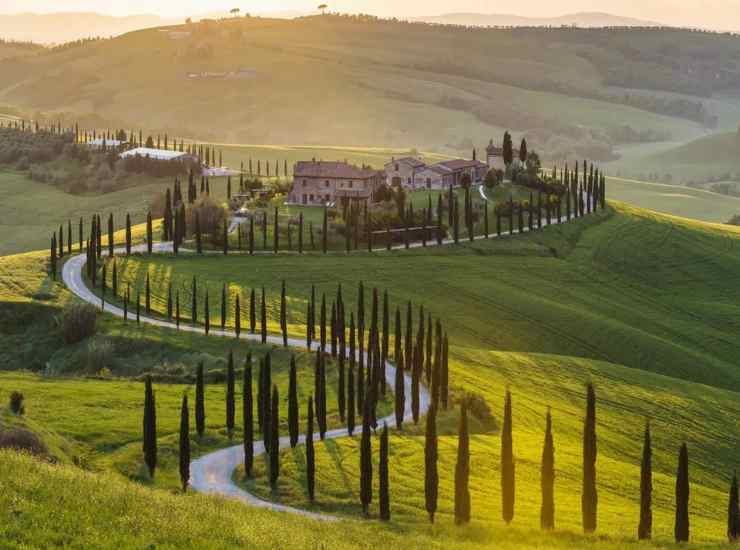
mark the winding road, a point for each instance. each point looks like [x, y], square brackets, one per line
[212, 473]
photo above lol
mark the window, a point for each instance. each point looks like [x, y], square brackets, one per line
[409, 181]
[350, 185]
[304, 183]
[429, 183]
[396, 167]
[327, 183]
[310, 197]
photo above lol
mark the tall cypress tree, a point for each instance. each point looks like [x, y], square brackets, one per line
[415, 366]
[248, 416]
[462, 469]
[263, 318]
[681, 528]
[310, 461]
[431, 475]
[341, 387]
[283, 315]
[547, 478]
[184, 444]
[508, 474]
[366, 461]
[223, 306]
[400, 392]
[110, 234]
[275, 438]
[230, 383]
[293, 404]
[351, 398]
[128, 234]
[150, 428]
[645, 528]
[383, 490]
[206, 313]
[589, 497]
[733, 512]
[200, 406]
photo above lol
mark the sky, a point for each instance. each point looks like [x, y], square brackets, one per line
[715, 14]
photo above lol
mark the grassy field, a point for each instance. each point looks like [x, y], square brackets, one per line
[543, 315]
[641, 304]
[30, 211]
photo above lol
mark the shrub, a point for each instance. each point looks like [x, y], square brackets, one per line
[78, 322]
[22, 439]
[16, 403]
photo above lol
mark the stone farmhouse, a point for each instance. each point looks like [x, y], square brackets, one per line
[413, 173]
[319, 182]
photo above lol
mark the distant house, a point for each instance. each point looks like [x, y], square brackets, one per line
[319, 182]
[495, 157]
[403, 171]
[158, 154]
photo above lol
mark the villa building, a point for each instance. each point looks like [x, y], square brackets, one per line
[320, 182]
[413, 173]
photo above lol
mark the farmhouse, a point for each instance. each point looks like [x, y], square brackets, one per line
[319, 182]
[413, 173]
[403, 171]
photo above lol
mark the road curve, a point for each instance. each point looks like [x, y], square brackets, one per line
[212, 473]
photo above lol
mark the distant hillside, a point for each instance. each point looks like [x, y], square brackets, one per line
[581, 19]
[56, 28]
[362, 81]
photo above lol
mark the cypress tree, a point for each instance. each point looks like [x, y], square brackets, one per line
[309, 337]
[53, 258]
[431, 476]
[263, 317]
[184, 444]
[252, 312]
[462, 469]
[681, 529]
[351, 398]
[275, 438]
[200, 407]
[322, 325]
[149, 233]
[321, 404]
[247, 415]
[194, 303]
[150, 428]
[341, 387]
[644, 530]
[383, 490]
[206, 313]
[114, 280]
[444, 374]
[310, 461]
[547, 478]
[589, 497]
[293, 404]
[230, 383]
[366, 461]
[507, 464]
[223, 306]
[128, 234]
[237, 317]
[733, 517]
[283, 315]
[177, 308]
[415, 382]
[400, 392]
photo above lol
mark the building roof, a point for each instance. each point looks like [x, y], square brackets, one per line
[413, 161]
[332, 170]
[460, 164]
[160, 154]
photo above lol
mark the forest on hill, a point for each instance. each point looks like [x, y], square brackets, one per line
[356, 80]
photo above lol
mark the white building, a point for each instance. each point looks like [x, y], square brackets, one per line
[159, 154]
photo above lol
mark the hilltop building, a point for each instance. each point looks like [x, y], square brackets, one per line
[414, 173]
[319, 182]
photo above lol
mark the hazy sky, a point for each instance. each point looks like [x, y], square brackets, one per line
[706, 13]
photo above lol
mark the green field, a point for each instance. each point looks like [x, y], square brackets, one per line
[640, 304]
[544, 314]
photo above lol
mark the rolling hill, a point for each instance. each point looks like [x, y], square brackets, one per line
[640, 304]
[580, 19]
[361, 81]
